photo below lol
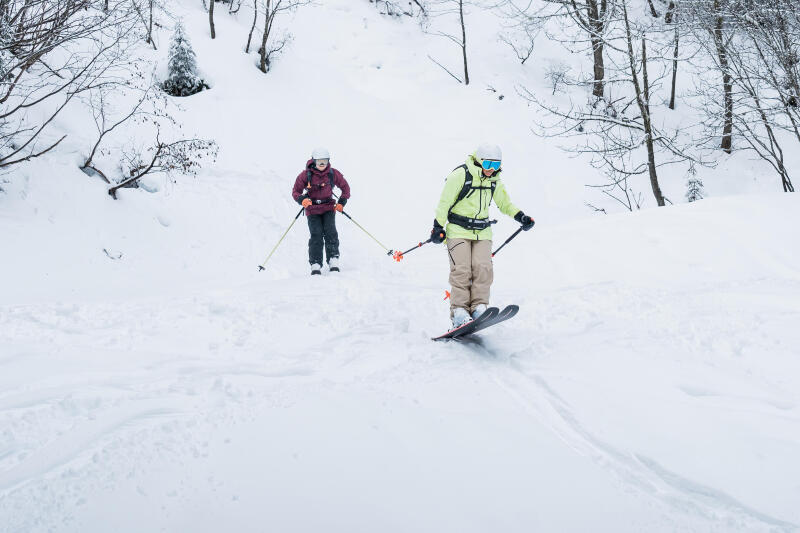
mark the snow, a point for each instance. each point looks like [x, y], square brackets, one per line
[151, 379]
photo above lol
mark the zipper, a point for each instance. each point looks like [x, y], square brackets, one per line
[480, 205]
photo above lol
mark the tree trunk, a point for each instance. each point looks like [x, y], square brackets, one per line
[595, 15]
[599, 68]
[253, 27]
[150, 25]
[211, 18]
[643, 101]
[727, 84]
[463, 40]
[670, 12]
[648, 129]
[674, 70]
[263, 65]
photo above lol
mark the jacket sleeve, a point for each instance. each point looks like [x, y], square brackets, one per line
[455, 181]
[299, 186]
[340, 182]
[503, 201]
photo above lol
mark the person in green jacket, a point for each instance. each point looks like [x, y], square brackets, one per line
[462, 219]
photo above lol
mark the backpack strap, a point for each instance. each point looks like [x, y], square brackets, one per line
[467, 188]
[330, 178]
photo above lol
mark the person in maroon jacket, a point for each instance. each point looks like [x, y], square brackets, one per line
[313, 189]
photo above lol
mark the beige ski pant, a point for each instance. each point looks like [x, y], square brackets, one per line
[471, 272]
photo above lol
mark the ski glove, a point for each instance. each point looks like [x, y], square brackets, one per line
[526, 221]
[306, 202]
[342, 201]
[339, 207]
[437, 233]
[301, 199]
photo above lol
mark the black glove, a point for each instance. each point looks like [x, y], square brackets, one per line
[437, 233]
[342, 201]
[301, 198]
[526, 221]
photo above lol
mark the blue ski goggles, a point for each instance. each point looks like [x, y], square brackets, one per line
[489, 164]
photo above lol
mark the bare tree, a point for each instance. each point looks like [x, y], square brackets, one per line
[763, 65]
[714, 30]
[642, 91]
[60, 49]
[145, 11]
[183, 156]
[753, 45]
[591, 19]
[451, 9]
[150, 107]
[671, 18]
[270, 46]
[721, 40]
[520, 36]
[619, 132]
[253, 27]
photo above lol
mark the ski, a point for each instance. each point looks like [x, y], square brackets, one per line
[470, 326]
[490, 317]
[508, 312]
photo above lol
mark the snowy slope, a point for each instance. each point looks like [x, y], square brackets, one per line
[648, 384]
[640, 402]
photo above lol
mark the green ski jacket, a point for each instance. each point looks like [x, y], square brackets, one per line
[475, 204]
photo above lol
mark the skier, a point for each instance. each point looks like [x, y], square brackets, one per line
[313, 189]
[464, 209]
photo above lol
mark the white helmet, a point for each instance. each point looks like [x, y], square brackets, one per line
[320, 153]
[489, 151]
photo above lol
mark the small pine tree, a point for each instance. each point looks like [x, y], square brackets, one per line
[6, 59]
[694, 185]
[182, 66]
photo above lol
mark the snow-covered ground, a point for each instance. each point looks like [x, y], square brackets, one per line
[152, 380]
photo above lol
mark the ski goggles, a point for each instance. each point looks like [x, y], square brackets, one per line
[318, 161]
[489, 164]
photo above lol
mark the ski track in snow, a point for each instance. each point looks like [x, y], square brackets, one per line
[642, 473]
[516, 373]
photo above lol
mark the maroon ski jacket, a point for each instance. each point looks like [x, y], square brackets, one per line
[320, 192]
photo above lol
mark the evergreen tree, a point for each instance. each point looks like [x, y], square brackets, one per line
[183, 79]
[694, 185]
[6, 59]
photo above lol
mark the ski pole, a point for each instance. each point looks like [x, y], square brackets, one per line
[388, 251]
[507, 241]
[261, 266]
[398, 255]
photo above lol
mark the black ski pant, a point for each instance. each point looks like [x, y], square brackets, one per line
[323, 230]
